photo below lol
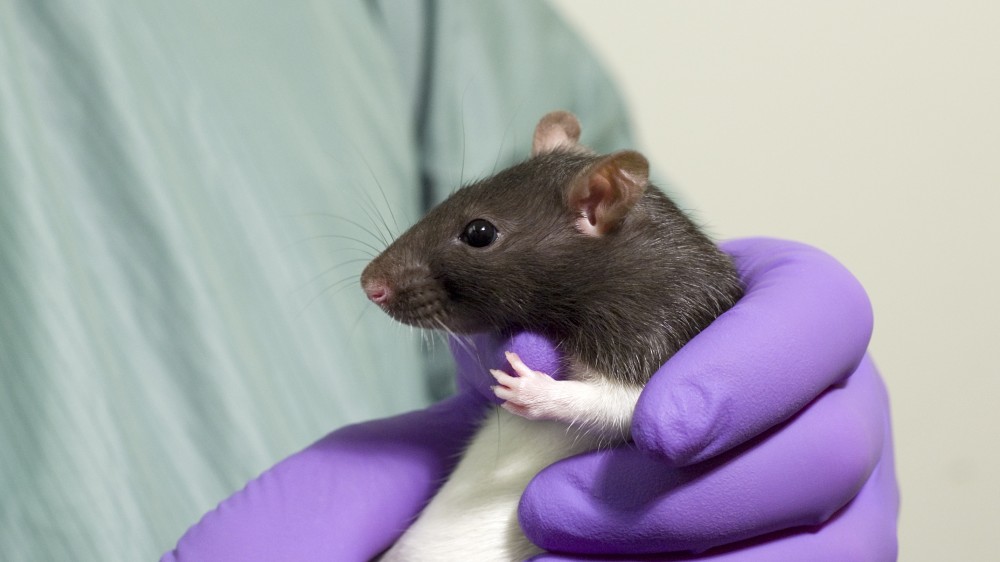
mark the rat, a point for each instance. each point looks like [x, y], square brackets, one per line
[581, 248]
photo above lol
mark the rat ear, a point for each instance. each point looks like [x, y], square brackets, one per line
[558, 130]
[607, 190]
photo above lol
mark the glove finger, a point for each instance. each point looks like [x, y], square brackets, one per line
[800, 473]
[803, 324]
[346, 497]
[864, 529]
[475, 355]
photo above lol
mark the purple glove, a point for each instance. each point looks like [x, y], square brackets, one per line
[803, 325]
[353, 493]
[774, 421]
[346, 497]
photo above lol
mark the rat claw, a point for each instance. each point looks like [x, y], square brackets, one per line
[502, 392]
[503, 378]
[523, 370]
[518, 365]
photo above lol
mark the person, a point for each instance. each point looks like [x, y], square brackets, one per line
[177, 179]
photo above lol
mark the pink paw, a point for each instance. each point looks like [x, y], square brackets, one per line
[532, 394]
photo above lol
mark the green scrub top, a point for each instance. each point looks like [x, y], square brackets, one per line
[188, 192]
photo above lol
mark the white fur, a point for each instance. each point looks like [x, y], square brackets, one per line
[474, 515]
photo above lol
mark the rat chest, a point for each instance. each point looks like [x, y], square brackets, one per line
[474, 515]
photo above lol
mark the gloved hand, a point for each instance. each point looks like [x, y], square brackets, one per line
[802, 327]
[351, 494]
[772, 420]
[346, 497]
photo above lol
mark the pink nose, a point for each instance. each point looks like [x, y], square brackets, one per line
[377, 291]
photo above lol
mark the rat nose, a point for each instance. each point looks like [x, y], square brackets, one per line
[377, 291]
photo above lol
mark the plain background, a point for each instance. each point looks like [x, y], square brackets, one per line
[871, 130]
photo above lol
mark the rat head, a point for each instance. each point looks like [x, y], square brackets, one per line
[509, 251]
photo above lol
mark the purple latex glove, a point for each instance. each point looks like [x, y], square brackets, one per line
[772, 420]
[803, 325]
[346, 497]
[353, 493]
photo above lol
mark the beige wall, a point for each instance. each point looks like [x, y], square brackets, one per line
[872, 130]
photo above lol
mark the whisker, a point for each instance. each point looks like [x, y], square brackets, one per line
[503, 139]
[464, 342]
[496, 408]
[337, 286]
[342, 237]
[316, 277]
[378, 184]
[387, 235]
[461, 174]
[357, 321]
[378, 234]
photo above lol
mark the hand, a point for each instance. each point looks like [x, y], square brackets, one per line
[353, 493]
[347, 497]
[770, 427]
[802, 326]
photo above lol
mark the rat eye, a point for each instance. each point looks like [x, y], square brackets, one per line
[479, 233]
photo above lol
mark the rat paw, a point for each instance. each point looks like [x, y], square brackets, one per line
[531, 394]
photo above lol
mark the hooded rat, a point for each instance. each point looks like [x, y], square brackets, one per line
[578, 247]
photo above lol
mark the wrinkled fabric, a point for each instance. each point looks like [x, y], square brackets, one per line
[188, 191]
